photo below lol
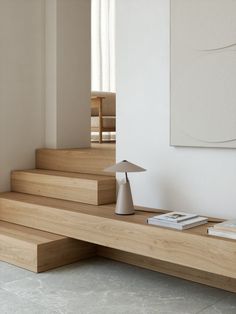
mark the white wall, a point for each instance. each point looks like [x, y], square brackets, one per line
[21, 84]
[203, 79]
[193, 179]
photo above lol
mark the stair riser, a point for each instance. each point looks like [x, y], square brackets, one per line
[72, 189]
[92, 161]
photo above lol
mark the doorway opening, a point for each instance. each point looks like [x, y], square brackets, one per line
[103, 84]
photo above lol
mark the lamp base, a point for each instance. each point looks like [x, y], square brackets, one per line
[124, 204]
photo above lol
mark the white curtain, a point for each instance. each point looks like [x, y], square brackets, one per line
[103, 45]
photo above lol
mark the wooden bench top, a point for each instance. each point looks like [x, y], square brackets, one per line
[99, 225]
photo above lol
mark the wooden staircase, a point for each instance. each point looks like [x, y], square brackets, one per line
[60, 212]
[62, 178]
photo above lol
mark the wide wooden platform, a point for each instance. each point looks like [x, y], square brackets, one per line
[37, 250]
[78, 187]
[192, 249]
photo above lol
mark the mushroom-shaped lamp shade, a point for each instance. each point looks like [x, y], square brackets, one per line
[125, 166]
[124, 204]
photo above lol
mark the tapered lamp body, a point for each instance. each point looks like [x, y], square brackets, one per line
[124, 203]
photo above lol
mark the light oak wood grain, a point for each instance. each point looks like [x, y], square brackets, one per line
[37, 250]
[191, 248]
[85, 188]
[84, 160]
[66, 251]
[188, 273]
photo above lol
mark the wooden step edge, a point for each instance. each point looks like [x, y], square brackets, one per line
[95, 191]
[65, 174]
[39, 251]
[30, 235]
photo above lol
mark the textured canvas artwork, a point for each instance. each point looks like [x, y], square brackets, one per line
[203, 73]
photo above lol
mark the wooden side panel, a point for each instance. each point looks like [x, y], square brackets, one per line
[206, 278]
[39, 251]
[191, 248]
[87, 160]
[64, 252]
[87, 189]
[18, 252]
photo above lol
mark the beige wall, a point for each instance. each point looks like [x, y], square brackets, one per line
[51, 73]
[44, 79]
[21, 84]
[68, 73]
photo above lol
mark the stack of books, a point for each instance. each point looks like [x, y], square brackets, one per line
[177, 220]
[226, 229]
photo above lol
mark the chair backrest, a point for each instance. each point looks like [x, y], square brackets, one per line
[109, 103]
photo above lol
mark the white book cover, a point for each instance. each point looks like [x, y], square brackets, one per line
[186, 224]
[220, 233]
[175, 216]
[228, 225]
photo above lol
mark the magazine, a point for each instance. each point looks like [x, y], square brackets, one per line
[220, 233]
[181, 225]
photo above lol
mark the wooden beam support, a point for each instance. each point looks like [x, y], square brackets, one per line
[187, 273]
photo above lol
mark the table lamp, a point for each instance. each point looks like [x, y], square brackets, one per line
[124, 204]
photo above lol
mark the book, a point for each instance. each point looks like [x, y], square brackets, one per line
[175, 216]
[182, 225]
[220, 233]
[228, 225]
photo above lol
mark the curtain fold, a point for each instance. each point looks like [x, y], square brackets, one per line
[103, 45]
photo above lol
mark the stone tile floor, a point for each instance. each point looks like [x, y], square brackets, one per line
[100, 286]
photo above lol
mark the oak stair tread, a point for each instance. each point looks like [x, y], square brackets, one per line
[56, 203]
[29, 235]
[78, 187]
[86, 176]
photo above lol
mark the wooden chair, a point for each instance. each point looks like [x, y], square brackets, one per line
[103, 118]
